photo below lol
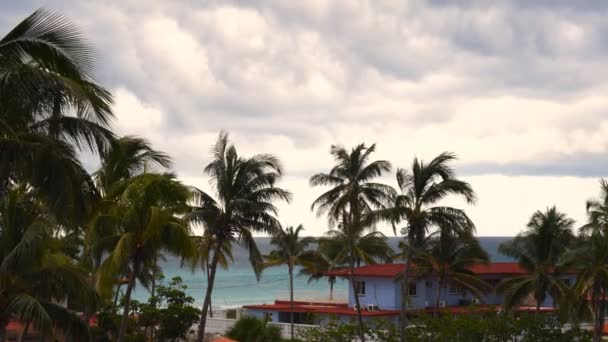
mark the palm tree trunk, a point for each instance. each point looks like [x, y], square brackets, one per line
[210, 304]
[116, 295]
[332, 280]
[602, 308]
[355, 286]
[207, 302]
[595, 299]
[291, 295]
[437, 297]
[125, 312]
[404, 297]
[24, 332]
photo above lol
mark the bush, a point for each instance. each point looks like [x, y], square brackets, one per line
[231, 313]
[168, 316]
[171, 311]
[472, 327]
[251, 329]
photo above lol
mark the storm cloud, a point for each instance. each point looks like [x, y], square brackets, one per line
[516, 88]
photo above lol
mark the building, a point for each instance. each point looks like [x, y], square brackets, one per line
[380, 296]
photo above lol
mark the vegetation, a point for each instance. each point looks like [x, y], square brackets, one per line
[251, 329]
[589, 258]
[417, 205]
[167, 316]
[320, 263]
[490, 327]
[353, 197]
[35, 275]
[246, 192]
[449, 259]
[69, 240]
[291, 250]
[145, 213]
[538, 250]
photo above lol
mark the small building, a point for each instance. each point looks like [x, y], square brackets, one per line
[380, 295]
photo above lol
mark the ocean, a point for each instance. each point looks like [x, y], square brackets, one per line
[238, 286]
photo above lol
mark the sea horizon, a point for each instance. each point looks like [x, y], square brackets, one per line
[238, 286]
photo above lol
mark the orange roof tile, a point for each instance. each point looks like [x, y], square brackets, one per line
[223, 339]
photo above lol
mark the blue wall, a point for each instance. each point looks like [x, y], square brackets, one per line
[385, 293]
[378, 291]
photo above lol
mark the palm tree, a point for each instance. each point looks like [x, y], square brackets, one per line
[369, 247]
[34, 273]
[50, 105]
[125, 158]
[417, 205]
[317, 267]
[246, 192]
[597, 212]
[590, 260]
[352, 197]
[291, 250]
[449, 259]
[204, 245]
[537, 250]
[145, 212]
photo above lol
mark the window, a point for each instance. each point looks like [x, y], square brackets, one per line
[456, 289]
[429, 284]
[411, 291]
[268, 316]
[360, 288]
[566, 281]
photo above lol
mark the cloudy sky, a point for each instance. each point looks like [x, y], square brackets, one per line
[518, 89]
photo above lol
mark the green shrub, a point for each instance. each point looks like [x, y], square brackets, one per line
[167, 316]
[465, 328]
[251, 329]
[231, 313]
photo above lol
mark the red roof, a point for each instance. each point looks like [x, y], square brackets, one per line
[315, 307]
[392, 270]
[343, 309]
[223, 339]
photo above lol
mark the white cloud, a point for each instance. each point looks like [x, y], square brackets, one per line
[510, 86]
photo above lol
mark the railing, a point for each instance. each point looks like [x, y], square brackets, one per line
[313, 296]
[229, 313]
[218, 325]
[222, 325]
[297, 328]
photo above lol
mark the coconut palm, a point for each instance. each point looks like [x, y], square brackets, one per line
[418, 205]
[537, 250]
[50, 105]
[597, 212]
[317, 267]
[291, 250]
[144, 212]
[47, 70]
[369, 247]
[204, 245]
[449, 258]
[125, 158]
[246, 192]
[590, 261]
[34, 273]
[352, 197]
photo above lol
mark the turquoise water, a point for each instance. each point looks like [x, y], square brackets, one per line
[238, 286]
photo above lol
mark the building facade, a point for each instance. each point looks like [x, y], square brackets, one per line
[380, 295]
